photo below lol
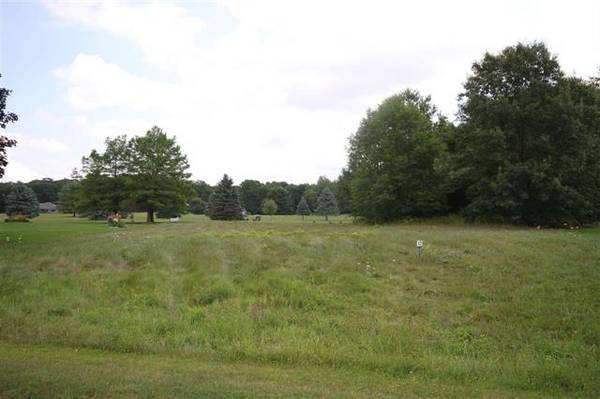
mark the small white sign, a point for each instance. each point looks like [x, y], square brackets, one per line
[419, 243]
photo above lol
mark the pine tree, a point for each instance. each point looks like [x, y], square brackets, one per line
[22, 201]
[224, 202]
[303, 208]
[327, 204]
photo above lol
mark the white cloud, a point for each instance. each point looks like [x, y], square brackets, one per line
[19, 171]
[162, 30]
[94, 83]
[277, 97]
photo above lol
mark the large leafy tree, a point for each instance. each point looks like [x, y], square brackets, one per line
[46, 190]
[203, 189]
[224, 202]
[158, 174]
[69, 196]
[394, 160]
[252, 194]
[269, 207]
[5, 118]
[327, 204]
[527, 150]
[22, 201]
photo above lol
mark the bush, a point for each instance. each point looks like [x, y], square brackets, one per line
[17, 219]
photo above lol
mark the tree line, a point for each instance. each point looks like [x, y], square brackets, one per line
[524, 149]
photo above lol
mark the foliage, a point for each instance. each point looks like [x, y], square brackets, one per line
[252, 194]
[105, 186]
[343, 191]
[393, 160]
[22, 201]
[269, 207]
[47, 190]
[158, 174]
[197, 206]
[69, 196]
[303, 208]
[5, 118]
[528, 150]
[17, 219]
[282, 197]
[327, 204]
[203, 190]
[224, 203]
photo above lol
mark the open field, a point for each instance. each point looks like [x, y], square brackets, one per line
[287, 308]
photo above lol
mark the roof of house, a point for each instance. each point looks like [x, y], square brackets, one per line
[47, 205]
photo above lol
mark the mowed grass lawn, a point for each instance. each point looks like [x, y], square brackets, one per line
[292, 308]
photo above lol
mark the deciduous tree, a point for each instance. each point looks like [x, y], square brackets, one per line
[5, 118]
[393, 160]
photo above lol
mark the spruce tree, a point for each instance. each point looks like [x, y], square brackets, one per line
[22, 201]
[303, 208]
[327, 204]
[224, 202]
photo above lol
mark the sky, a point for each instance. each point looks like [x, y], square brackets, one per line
[264, 89]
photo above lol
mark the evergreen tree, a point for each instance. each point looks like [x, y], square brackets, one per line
[327, 204]
[303, 208]
[269, 207]
[158, 177]
[22, 201]
[224, 202]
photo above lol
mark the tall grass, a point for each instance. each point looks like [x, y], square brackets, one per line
[484, 308]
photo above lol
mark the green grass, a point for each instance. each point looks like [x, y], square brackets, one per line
[292, 308]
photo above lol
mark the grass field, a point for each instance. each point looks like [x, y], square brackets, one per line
[292, 308]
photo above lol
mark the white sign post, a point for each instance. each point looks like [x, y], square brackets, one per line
[419, 247]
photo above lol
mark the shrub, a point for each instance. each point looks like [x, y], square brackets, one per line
[17, 219]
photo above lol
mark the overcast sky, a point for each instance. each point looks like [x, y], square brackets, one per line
[268, 90]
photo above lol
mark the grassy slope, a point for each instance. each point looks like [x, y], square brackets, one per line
[286, 308]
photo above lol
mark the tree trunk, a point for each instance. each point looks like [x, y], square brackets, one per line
[150, 215]
[326, 218]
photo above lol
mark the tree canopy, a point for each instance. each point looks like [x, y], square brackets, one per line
[159, 175]
[22, 201]
[327, 204]
[5, 118]
[303, 208]
[394, 160]
[528, 149]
